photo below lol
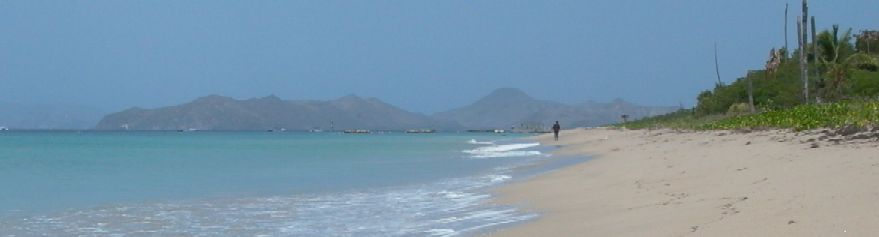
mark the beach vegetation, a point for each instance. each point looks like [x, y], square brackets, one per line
[681, 119]
[843, 86]
[867, 41]
[860, 114]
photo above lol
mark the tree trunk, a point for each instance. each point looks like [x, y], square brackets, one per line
[802, 54]
[751, 94]
[814, 41]
[786, 49]
[804, 64]
[816, 70]
[716, 66]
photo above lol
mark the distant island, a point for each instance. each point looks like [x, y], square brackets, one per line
[223, 113]
[503, 108]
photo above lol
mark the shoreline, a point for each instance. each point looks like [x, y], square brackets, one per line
[525, 172]
[713, 183]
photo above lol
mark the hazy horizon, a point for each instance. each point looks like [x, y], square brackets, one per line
[424, 57]
[96, 109]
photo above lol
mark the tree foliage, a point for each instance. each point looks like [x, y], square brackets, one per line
[845, 73]
[867, 42]
[771, 91]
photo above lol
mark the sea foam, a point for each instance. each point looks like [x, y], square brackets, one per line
[506, 150]
[451, 207]
[476, 142]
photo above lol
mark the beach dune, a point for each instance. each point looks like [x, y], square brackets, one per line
[720, 183]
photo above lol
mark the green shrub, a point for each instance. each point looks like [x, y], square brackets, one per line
[682, 119]
[738, 109]
[805, 117]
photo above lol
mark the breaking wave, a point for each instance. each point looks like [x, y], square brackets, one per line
[506, 150]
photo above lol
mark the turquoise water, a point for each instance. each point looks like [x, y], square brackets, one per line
[237, 183]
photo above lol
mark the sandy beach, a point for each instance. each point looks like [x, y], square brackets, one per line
[719, 183]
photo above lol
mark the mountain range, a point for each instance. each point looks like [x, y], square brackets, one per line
[510, 107]
[223, 113]
[502, 108]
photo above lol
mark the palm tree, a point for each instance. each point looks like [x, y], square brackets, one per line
[838, 59]
[833, 46]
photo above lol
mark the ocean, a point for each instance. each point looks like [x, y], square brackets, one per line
[258, 183]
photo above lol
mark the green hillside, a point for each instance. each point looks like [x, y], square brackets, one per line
[843, 89]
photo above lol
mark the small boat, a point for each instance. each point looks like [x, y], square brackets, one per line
[420, 131]
[357, 131]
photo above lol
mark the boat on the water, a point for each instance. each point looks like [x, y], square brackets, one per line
[420, 131]
[357, 131]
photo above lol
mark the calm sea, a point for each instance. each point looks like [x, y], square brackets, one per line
[256, 184]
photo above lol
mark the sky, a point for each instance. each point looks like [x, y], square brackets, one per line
[423, 56]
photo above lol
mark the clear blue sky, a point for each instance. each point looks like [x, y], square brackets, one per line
[424, 56]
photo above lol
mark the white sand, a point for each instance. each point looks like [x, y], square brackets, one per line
[666, 183]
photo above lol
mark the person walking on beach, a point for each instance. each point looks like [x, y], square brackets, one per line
[555, 130]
